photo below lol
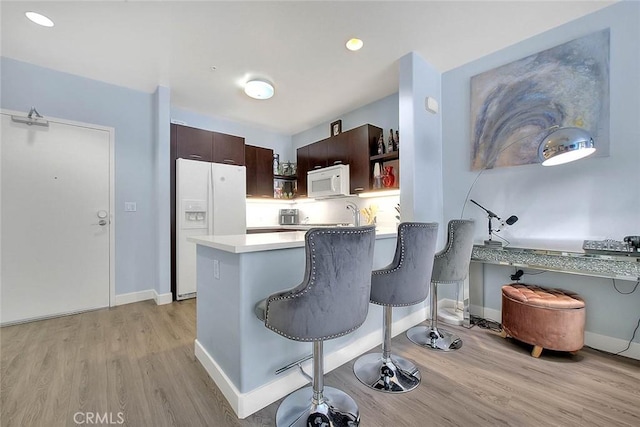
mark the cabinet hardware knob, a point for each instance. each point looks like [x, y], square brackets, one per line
[195, 156]
[337, 162]
[228, 161]
[317, 167]
[358, 189]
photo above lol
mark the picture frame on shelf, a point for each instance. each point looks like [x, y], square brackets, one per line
[336, 127]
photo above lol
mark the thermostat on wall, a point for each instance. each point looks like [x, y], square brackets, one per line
[431, 105]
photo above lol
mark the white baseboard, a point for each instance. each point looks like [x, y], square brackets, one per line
[245, 404]
[162, 299]
[491, 314]
[148, 294]
[593, 340]
[134, 297]
[612, 345]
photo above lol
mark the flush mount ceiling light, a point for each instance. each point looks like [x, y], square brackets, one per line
[258, 89]
[39, 19]
[354, 44]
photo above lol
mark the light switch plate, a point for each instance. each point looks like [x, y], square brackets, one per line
[130, 206]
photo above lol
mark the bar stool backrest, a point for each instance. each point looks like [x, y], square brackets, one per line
[451, 264]
[333, 299]
[406, 280]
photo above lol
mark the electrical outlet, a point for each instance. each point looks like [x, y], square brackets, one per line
[216, 269]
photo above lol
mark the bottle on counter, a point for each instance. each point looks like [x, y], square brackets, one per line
[276, 164]
[390, 143]
[397, 140]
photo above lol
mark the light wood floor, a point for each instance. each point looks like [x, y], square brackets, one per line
[138, 359]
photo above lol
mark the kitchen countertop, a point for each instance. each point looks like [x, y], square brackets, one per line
[242, 243]
[292, 227]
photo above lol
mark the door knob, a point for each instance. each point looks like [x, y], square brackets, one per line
[102, 222]
[102, 214]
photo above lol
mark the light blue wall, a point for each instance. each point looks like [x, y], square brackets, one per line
[421, 143]
[280, 143]
[142, 137]
[560, 206]
[70, 97]
[382, 113]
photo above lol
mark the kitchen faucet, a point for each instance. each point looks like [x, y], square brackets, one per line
[356, 213]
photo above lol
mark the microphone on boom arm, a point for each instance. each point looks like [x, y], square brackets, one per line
[509, 221]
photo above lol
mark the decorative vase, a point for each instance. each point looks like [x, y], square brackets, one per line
[388, 178]
[377, 176]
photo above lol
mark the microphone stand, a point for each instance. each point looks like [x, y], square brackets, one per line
[490, 215]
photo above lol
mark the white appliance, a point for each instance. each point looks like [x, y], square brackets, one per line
[210, 200]
[328, 182]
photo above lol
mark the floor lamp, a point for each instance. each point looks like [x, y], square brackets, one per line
[561, 145]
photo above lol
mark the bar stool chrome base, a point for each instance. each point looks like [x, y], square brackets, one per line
[335, 409]
[436, 339]
[393, 375]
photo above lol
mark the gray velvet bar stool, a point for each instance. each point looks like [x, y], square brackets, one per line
[451, 265]
[404, 282]
[331, 301]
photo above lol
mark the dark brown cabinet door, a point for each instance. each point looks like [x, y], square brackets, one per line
[318, 154]
[302, 159]
[361, 141]
[259, 163]
[250, 158]
[194, 144]
[228, 149]
[264, 164]
[338, 149]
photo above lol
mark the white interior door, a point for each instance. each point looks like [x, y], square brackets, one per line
[55, 219]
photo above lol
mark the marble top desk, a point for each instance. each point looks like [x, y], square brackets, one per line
[623, 267]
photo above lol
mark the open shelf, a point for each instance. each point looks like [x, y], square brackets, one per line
[386, 156]
[286, 177]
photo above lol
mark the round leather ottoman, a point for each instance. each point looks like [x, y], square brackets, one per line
[545, 318]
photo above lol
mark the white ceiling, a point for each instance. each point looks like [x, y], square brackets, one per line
[298, 45]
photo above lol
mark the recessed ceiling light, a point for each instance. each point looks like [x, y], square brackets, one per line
[258, 89]
[39, 19]
[354, 44]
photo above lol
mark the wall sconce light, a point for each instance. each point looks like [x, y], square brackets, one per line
[259, 89]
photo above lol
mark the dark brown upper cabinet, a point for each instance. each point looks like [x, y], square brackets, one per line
[259, 163]
[353, 147]
[302, 159]
[228, 149]
[360, 141]
[207, 146]
[194, 144]
[338, 149]
[318, 154]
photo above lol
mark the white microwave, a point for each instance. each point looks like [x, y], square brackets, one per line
[328, 182]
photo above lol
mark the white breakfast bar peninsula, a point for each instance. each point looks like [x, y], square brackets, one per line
[239, 353]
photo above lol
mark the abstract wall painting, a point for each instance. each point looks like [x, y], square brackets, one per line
[514, 106]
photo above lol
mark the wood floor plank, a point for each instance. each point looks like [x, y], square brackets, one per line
[138, 360]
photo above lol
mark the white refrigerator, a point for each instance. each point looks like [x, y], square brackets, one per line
[210, 200]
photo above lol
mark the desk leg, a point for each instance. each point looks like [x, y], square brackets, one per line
[466, 319]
